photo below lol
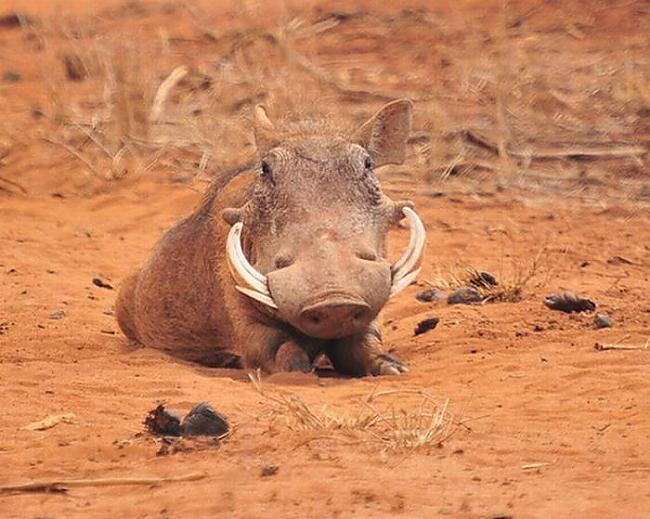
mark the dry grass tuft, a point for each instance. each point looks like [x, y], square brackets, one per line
[380, 419]
[511, 283]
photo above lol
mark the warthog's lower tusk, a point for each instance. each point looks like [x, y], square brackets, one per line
[240, 268]
[405, 269]
[267, 300]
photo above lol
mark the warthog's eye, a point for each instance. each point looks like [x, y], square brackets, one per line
[368, 163]
[266, 171]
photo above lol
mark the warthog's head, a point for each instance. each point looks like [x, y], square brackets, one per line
[310, 242]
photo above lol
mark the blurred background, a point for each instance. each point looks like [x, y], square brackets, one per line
[546, 96]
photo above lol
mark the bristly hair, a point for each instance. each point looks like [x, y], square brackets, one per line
[291, 128]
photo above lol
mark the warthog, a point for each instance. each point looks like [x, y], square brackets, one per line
[286, 261]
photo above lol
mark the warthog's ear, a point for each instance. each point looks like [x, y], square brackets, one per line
[384, 134]
[265, 133]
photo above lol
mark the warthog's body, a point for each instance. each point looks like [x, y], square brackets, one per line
[313, 223]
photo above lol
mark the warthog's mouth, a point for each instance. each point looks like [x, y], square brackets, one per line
[255, 285]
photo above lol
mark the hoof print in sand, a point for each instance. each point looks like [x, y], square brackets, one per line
[202, 420]
[569, 302]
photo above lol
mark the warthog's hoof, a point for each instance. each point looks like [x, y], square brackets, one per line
[384, 364]
[291, 357]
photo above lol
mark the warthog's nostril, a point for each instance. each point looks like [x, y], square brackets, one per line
[283, 261]
[367, 255]
[336, 319]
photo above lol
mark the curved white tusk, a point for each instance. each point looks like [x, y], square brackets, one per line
[250, 275]
[267, 300]
[403, 269]
[403, 282]
[405, 256]
[240, 267]
[411, 256]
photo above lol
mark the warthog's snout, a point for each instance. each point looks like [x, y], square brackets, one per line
[335, 317]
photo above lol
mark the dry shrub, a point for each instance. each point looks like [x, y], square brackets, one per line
[381, 418]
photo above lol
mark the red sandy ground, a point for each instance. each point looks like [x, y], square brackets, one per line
[526, 381]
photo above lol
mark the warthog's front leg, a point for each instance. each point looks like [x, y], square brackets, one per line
[361, 355]
[270, 348]
[291, 357]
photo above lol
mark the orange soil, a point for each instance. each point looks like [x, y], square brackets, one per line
[526, 381]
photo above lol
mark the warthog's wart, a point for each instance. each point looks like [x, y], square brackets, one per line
[287, 261]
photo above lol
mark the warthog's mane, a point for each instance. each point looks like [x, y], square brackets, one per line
[291, 129]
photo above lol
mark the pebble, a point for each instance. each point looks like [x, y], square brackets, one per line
[602, 321]
[569, 302]
[429, 295]
[426, 325]
[464, 296]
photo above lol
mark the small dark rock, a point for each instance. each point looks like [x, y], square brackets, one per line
[74, 67]
[59, 314]
[426, 325]
[464, 296]
[203, 420]
[483, 279]
[11, 76]
[569, 302]
[619, 260]
[269, 470]
[602, 321]
[430, 294]
[102, 284]
[4, 326]
[433, 193]
[11, 20]
[162, 422]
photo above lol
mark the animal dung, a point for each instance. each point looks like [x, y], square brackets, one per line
[202, 420]
[429, 295]
[98, 282]
[464, 296]
[426, 325]
[162, 422]
[269, 470]
[483, 279]
[569, 302]
[75, 69]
